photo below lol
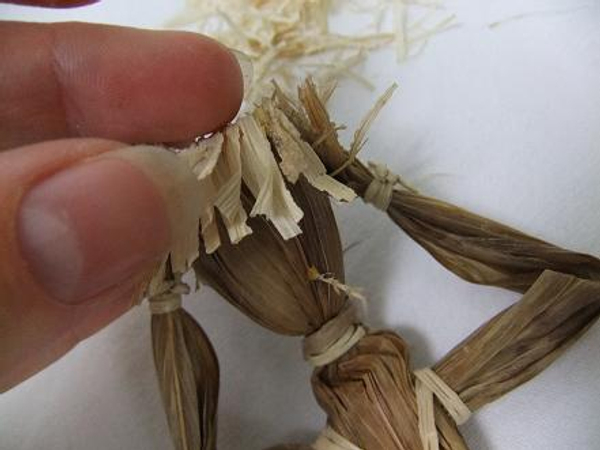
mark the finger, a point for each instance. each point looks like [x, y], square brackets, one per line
[84, 224]
[52, 3]
[72, 79]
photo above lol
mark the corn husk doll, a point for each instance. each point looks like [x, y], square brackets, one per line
[287, 274]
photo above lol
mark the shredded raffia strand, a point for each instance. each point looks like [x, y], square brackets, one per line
[380, 191]
[287, 40]
[261, 174]
[360, 135]
[244, 154]
[429, 385]
[339, 287]
[169, 299]
[400, 19]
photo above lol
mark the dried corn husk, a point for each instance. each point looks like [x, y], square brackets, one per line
[187, 370]
[523, 340]
[286, 40]
[268, 278]
[369, 397]
[188, 374]
[504, 353]
[278, 269]
[297, 156]
[473, 247]
[185, 362]
[369, 392]
[288, 276]
[243, 153]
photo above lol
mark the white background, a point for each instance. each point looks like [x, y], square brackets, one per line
[503, 121]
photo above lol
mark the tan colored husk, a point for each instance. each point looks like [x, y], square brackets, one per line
[188, 374]
[369, 392]
[267, 278]
[506, 352]
[185, 362]
[473, 247]
[260, 151]
[523, 340]
[187, 369]
[369, 397]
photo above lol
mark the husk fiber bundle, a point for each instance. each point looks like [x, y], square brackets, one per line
[369, 391]
[477, 249]
[187, 369]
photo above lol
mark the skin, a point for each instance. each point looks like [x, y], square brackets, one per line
[72, 91]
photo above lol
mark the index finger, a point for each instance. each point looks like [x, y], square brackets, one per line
[74, 79]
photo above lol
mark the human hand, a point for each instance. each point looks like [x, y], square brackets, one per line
[83, 222]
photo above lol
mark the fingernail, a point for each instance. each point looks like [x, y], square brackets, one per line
[246, 67]
[97, 224]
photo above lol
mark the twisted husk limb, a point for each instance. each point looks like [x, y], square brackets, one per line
[475, 248]
[188, 375]
[523, 340]
[265, 276]
[504, 353]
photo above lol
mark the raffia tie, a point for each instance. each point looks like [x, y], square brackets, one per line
[169, 300]
[429, 384]
[379, 192]
[331, 440]
[334, 338]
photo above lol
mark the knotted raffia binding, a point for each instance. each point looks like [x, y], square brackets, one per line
[169, 300]
[380, 191]
[334, 338]
[427, 385]
[329, 439]
[324, 346]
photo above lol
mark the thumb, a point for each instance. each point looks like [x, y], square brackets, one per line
[84, 224]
